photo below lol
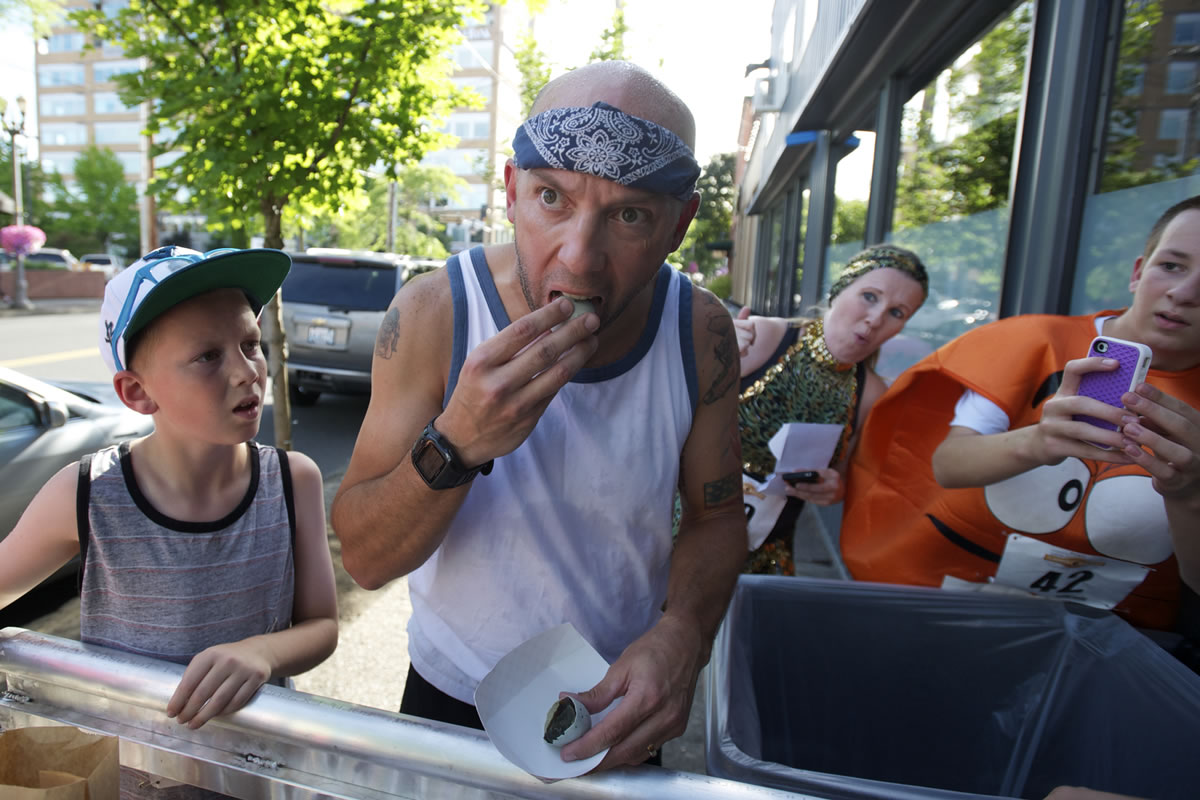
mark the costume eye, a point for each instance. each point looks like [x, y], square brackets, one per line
[1042, 500]
[549, 196]
[1126, 519]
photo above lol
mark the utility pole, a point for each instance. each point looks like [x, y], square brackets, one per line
[14, 129]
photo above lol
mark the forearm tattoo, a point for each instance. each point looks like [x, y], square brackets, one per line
[719, 491]
[388, 338]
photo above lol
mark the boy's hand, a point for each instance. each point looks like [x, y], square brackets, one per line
[219, 680]
[826, 491]
[1169, 430]
[1058, 435]
[745, 331]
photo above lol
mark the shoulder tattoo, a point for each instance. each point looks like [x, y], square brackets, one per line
[388, 338]
[724, 344]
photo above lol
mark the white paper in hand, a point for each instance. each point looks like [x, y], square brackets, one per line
[799, 446]
[512, 699]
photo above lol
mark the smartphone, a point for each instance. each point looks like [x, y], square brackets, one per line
[808, 476]
[1107, 387]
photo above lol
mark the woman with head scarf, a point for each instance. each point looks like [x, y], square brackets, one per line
[819, 370]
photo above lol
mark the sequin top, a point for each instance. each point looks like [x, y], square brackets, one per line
[805, 384]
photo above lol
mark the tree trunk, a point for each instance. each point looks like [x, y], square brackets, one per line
[276, 336]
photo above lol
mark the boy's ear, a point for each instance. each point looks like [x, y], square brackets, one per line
[1137, 273]
[132, 392]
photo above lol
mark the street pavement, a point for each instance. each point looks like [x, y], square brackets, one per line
[371, 660]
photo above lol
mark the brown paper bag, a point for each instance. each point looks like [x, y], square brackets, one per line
[58, 763]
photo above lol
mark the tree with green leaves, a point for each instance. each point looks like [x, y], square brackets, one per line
[41, 14]
[535, 72]
[275, 102]
[718, 197]
[39, 186]
[612, 40]
[362, 224]
[100, 212]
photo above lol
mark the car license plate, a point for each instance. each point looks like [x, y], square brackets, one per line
[320, 335]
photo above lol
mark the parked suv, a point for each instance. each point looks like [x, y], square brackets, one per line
[333, 305]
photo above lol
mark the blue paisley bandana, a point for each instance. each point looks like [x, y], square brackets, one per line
[608, 143]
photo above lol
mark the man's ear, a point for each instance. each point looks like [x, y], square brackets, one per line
[685, 219]
[129, 387]
[1137, 273]
[510, 189]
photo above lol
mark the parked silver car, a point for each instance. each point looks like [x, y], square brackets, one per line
[44, 427]
[333, 305]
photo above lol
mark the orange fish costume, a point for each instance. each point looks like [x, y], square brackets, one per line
[900, 526]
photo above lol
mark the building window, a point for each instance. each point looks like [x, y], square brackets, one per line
[470, 125]
[118, 132]
[1187, 29]
[958, 136]
[475, 55]
[64, 43]
[60, 75]
[105, 71]
[109, 103]
[131, 162]
[1145, 169]
[1172, 123]
[1181, 77]
[62, 105]
[62, 162]
[63, 133]
[481, 86]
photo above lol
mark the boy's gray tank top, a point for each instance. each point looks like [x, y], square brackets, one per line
[166, 588]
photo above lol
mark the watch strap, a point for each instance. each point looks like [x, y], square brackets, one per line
[447, 471]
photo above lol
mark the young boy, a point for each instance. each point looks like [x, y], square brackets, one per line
[196, 545]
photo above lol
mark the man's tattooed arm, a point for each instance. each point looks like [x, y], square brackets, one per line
[389, 335]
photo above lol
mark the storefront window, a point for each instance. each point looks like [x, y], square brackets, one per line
[1151, 156]
[957, 144]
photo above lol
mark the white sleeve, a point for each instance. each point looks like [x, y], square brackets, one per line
[976, 412]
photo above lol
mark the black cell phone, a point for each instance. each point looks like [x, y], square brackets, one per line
[808, 476]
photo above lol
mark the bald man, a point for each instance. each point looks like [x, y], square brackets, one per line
[534, 407]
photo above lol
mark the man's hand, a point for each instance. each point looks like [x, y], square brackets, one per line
[656, 676]
[219, 680]
[1169, 430]
[507, 382]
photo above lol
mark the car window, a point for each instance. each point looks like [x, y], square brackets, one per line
[352, 286]
[16, 409]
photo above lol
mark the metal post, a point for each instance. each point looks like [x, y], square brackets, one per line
[21, 292]
[391, 226]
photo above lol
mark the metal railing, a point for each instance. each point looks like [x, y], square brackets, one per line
[288, 744]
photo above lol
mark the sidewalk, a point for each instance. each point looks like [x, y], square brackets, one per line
[53, 305]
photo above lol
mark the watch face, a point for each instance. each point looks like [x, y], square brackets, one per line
[430, 461]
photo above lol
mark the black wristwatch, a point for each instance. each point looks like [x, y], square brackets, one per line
[435, 461]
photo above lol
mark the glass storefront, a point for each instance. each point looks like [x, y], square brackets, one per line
[1150, 155]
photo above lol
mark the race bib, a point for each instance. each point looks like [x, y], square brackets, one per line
[762, 509]
[1044, 570]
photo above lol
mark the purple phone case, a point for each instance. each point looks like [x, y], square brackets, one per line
[1107, 387]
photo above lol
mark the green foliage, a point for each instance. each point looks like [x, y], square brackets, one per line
[721, 285]
[718, 196]
[38, 186]
[271, 102]
[849, 222]
[41, 14]
[101, 212]
[361, 224]
[535, 72]
[612, 41]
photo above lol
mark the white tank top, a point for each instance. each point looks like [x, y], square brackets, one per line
[575, 524]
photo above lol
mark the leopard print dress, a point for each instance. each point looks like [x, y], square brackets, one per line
[803, 383]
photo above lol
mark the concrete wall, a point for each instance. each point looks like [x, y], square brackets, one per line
[46, 283]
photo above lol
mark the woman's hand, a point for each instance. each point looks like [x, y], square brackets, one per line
[745, 330]
[826, 491]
